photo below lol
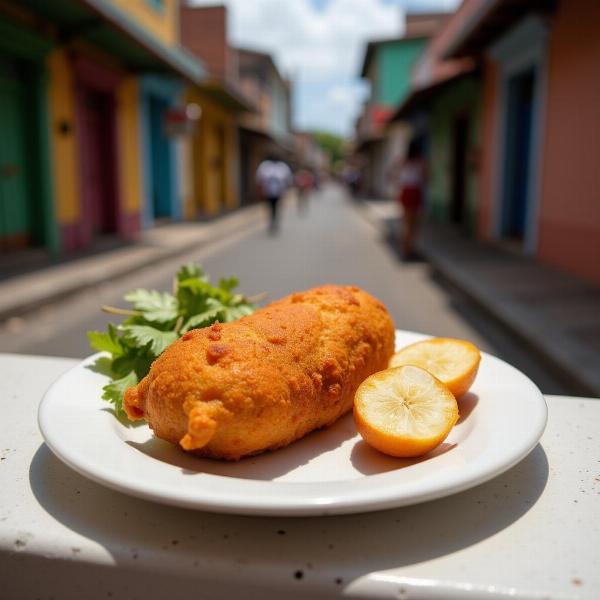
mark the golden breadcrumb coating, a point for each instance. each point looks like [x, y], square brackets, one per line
[235, 389]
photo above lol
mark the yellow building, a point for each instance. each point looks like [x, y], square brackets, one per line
[215, 150]
[217, 104]
[159, 17]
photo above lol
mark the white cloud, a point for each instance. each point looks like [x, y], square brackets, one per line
[342, 94]
[313, 46]
[307, 42]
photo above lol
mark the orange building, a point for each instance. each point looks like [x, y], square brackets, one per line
[540, 181]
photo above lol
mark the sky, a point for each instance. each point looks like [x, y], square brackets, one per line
[319, 45]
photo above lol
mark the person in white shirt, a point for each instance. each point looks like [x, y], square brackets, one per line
[273, 178]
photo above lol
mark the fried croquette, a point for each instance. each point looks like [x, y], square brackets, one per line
[236, 389]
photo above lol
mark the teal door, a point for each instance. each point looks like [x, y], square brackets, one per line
[160, 160]
[15, 211]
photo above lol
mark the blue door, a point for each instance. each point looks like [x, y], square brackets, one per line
[518, 154]
[160, 160]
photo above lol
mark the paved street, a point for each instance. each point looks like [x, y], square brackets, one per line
[332, 243]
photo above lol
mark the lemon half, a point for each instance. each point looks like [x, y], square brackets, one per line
[404, 411]
[453, 362]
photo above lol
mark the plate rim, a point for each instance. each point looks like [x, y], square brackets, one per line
[278, 505]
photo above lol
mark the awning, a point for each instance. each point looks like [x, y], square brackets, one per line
[364, 143]
[283, 142]
[374, 44]
[227, 95]
[110, 29]
[488, 22]
[419, 98]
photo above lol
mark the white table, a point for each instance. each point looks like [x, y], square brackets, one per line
[533, 532]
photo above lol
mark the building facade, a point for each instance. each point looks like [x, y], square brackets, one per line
[442, 107]
[539, 188]
[267, 130]
[454, 122]
[215, 145]
[85, 88]
[507, 96]
[388, 66]
[27, 209]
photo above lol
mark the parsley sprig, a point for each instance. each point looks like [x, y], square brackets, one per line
[156, 320]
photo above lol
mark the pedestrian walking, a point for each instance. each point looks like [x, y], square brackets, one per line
[305, 181]
[351, 177]
[273, 178]
[410, 174]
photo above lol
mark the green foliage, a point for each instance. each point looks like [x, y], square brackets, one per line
[115, 391]
[145, 336]
[157, 320]
[106, 342]
[157, 307]
[334, 144]
[214, 312]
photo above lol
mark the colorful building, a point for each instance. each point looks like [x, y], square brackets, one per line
[536, 182]
[268, 129]
[27, 209]
[540, 181]
[219, 104]
[442, 108]
[86, 84]
[244, 108]
[387, 66]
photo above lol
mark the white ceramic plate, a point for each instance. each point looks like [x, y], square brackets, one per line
[331, 471]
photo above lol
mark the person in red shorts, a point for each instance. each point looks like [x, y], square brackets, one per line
[410, 175]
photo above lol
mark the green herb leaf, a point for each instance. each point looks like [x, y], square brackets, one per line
[114, 392]
[106, 342]
[157, 307]
[156, 323]
[191, 271]
[144, 335]
[193, 296]
[208, 317]
[233, 313]
[229, 284]
[137, 359]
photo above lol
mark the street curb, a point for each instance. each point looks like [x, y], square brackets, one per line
[17, 305]
[518, 323]
[556, 351]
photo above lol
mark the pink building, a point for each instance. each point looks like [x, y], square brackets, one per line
[539, 185]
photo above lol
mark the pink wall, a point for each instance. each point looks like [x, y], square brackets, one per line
[569, 225]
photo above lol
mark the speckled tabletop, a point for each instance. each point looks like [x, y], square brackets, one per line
[533, 532]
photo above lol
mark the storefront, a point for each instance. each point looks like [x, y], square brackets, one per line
[26, 205]
[96, 133]
[72, 76]
[162, 198]
[216, 149]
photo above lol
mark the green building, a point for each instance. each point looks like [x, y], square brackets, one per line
[388, 66]
[454, 122]
[443, 110]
